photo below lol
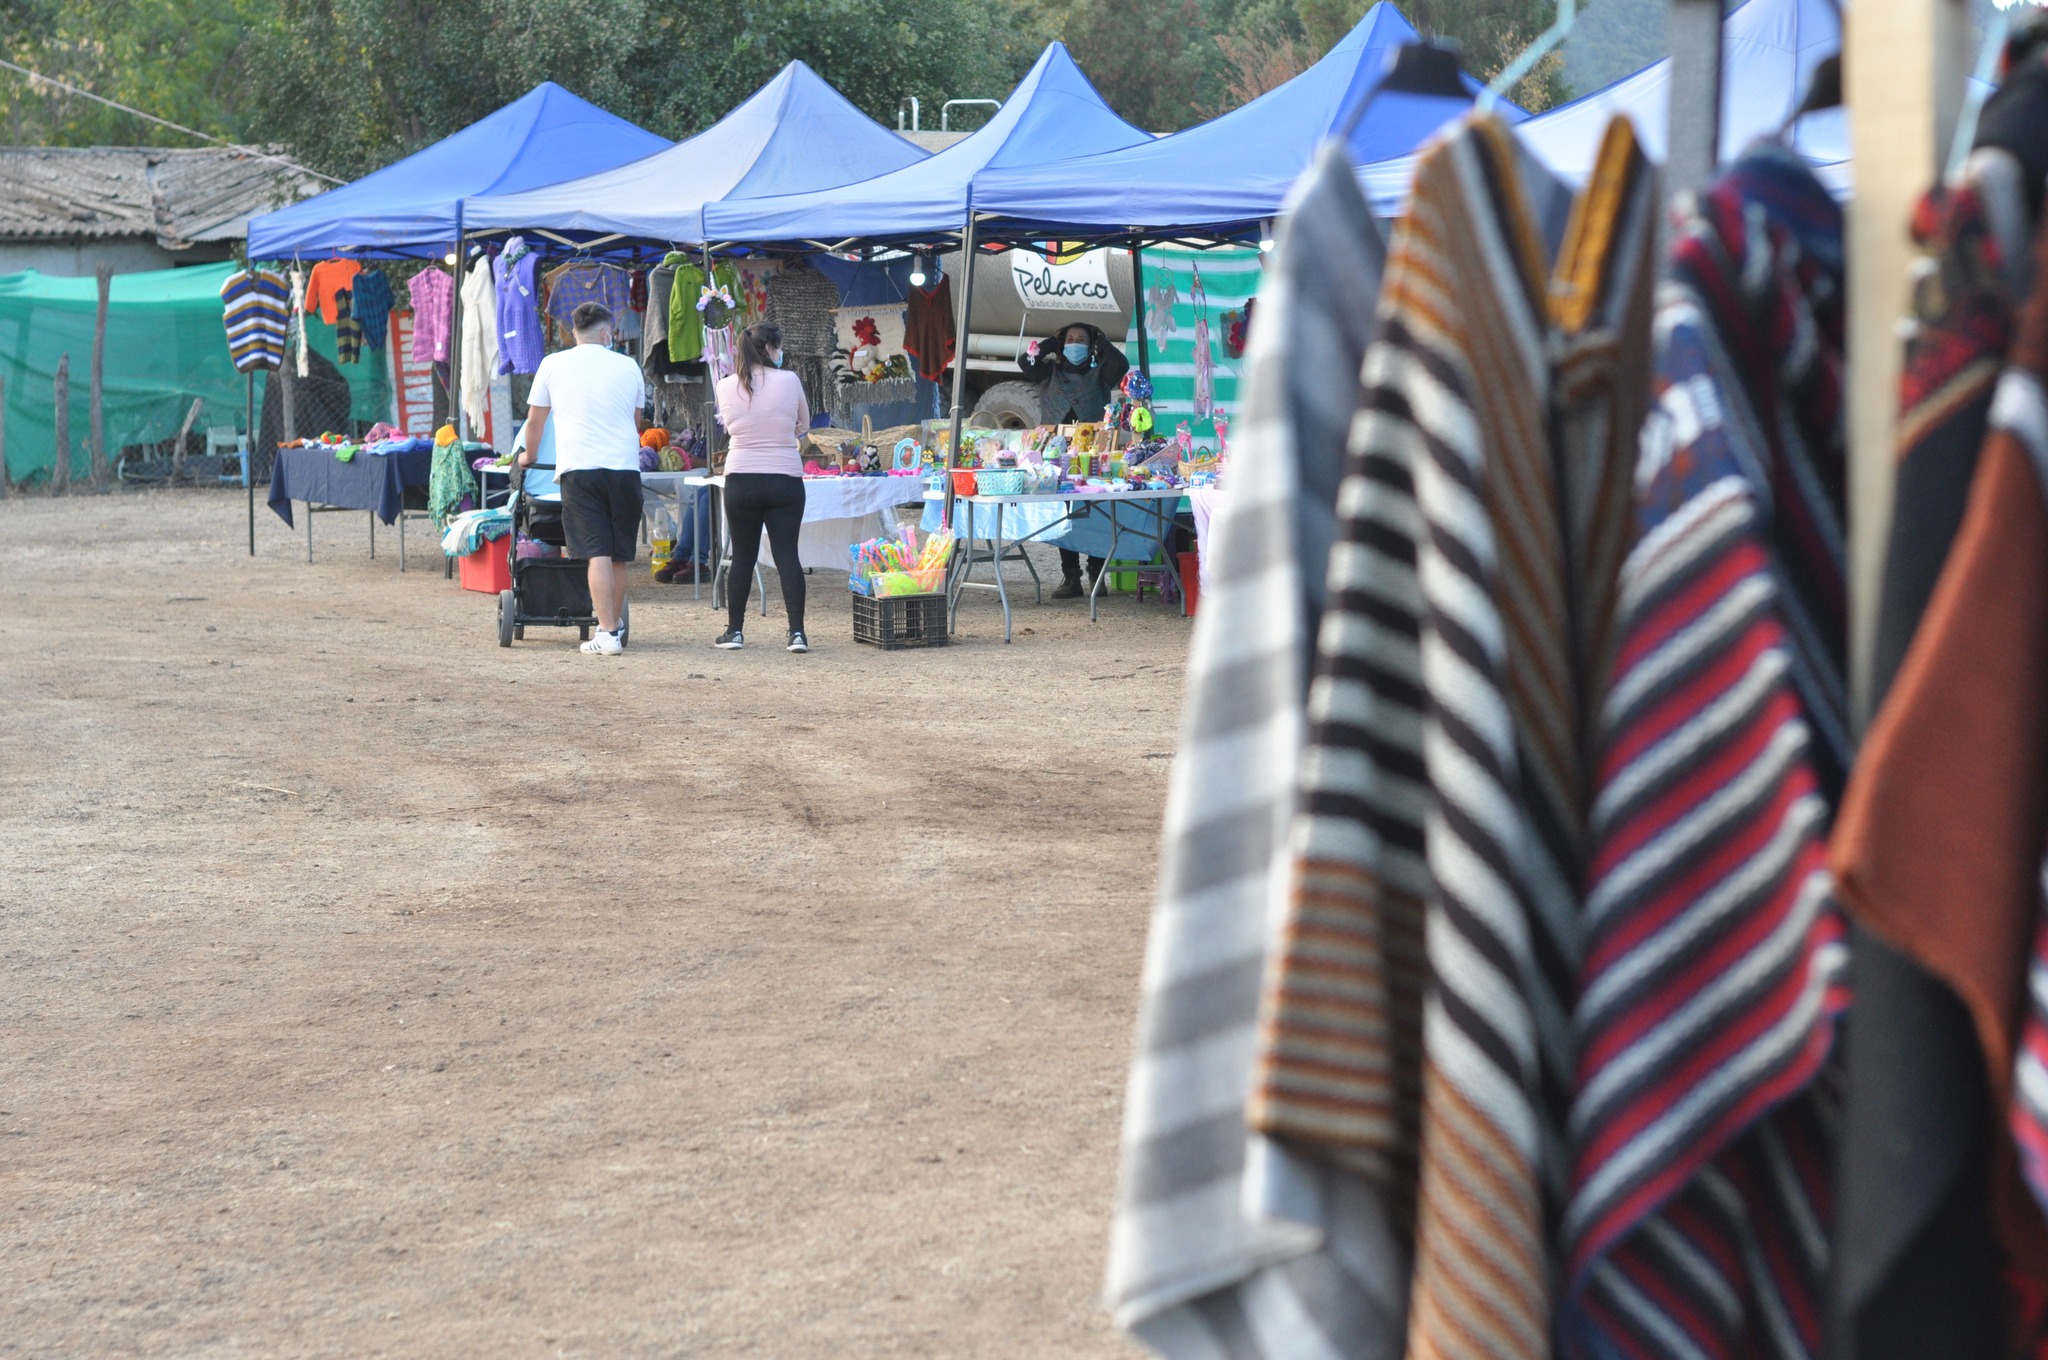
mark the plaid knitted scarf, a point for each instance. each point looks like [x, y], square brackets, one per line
[1699, 1210]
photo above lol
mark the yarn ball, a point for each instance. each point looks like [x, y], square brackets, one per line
[654, 438]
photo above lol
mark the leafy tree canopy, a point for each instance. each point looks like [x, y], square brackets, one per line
[350, 85]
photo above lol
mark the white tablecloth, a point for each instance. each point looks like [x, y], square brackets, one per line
[840, 512]
[1204, 500]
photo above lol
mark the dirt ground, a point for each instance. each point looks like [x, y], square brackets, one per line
[374, 991]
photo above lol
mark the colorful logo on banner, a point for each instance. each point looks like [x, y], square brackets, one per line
[1063, 281]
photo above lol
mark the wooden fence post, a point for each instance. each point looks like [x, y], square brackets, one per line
[184, 433]
[104, 276]
[60, 469]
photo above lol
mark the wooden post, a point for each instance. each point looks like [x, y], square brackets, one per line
[104, 277]
[1903, 69]
[60, 469]
[184, 433]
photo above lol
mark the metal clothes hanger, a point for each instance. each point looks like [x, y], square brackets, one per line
[1425, 68]
[1546, 42]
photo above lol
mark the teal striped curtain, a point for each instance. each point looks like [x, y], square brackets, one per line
[1229, 277]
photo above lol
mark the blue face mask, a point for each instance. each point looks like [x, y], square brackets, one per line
[1077, 355]
[776, 358]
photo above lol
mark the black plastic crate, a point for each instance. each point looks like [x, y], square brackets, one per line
[894, 621]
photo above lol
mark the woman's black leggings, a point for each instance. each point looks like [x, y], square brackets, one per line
[754, 501]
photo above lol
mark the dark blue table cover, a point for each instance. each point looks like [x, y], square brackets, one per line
[369, 481]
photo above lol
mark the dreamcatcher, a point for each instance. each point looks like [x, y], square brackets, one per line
[715, 303]
[1205, 360]
[1160, 300]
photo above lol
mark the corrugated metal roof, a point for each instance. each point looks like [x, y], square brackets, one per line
[175, 197]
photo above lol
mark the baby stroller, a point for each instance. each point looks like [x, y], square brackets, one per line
[547, 592]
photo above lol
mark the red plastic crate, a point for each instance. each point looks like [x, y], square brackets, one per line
[486, 569]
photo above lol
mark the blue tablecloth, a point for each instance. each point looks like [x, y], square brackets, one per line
[369, 481]
[1087, 533]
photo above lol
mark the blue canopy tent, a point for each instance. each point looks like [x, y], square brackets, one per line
[1224, 177]
[413, 208]
[1053, 114]
[794, 134]
[1768, 54]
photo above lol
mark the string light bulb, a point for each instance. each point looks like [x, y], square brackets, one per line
[917, 271]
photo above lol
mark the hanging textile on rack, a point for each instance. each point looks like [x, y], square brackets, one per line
[298, 315]
[685, 333]
[1189, 1272]
[805, 304]
[329, 279]
[522, 340]
[348, 332]
[372, 304]
[571, 285]
[1917, 1271]
[257, 313]
[433, 305]
[1205, 354]
[928, 333]
[479, 343]
[1939, 847]
[1713, 952]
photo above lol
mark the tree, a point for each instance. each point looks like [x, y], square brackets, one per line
[354, 84]
[178, 59]
[1155, 63]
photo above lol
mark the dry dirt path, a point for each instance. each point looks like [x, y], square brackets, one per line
[373, 991]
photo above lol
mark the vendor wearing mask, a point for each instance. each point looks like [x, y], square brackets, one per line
[1076, 369]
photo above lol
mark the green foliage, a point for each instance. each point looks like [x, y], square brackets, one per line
[350, 85]
[1156, 63]
[359, 83]
[178, 59]
[1614, 38]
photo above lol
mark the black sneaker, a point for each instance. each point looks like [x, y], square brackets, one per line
[797, 641]
[730, 640]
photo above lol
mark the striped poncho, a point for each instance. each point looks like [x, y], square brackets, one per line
[1417, 1026]
[1191, 1272]
[1698, 1219]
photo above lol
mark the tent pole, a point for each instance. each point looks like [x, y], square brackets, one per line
[960, 353]
[249, 452]
[1138, 306]
[461, 421]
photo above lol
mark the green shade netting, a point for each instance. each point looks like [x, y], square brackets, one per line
[165, 346]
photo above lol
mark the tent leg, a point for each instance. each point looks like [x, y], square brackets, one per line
[1138, 308]
[249, 453]
[458, 418]
[960, 355]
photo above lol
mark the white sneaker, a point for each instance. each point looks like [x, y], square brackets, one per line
[603, 644]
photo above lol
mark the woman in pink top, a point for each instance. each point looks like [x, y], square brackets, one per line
[762, 408]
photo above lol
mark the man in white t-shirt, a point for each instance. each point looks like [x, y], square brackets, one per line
[594, 396]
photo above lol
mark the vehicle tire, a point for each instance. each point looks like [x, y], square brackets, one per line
[508, 610]
[625, 622]
[1009, 406]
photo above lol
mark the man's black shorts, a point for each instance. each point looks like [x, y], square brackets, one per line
[601, 513]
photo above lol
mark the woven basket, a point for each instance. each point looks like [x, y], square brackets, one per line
[1002, 481]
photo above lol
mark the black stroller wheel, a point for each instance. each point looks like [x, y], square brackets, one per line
[508, 610]
[583, 632]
